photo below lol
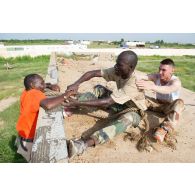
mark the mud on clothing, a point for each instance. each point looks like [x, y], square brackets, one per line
[124, 94]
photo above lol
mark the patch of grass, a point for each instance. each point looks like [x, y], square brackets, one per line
[8, 135]
[172, 45]
[11, 81]
[185, 67]
[32, 42]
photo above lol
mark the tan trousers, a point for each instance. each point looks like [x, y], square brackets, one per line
[171, 110]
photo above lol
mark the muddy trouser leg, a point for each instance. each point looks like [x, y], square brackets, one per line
[98, 93]
[130, 119]
[101, 91]
[173, 112]
[153, 105]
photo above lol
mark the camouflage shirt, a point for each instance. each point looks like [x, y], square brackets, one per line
[126, 90]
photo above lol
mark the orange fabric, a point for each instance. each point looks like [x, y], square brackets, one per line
[29, 109]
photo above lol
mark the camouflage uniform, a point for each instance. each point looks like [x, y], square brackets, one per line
[126, 94]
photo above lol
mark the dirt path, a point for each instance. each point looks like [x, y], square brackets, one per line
[5, 103]
[119, 150]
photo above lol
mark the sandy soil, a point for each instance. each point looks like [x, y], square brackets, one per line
[119, 150]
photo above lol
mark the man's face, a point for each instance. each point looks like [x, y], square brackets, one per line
[165, 72]
[39, 84]
[123, 69]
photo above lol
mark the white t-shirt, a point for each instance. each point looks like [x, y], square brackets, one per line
[167, 97]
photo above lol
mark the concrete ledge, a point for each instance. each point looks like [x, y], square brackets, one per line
[50, 142]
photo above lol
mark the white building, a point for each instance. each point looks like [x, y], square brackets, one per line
[85, 42]
[135, 44]
[69, 42]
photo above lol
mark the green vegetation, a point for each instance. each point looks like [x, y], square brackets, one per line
[11, 81]
[185, 67]
[160, 43]
[97, 44]
[163, 44]
[32, 42]
[118, 44]
[11, 84]
[8, 135]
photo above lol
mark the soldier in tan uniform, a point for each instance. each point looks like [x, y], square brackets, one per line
[167, 88]
[125, 95]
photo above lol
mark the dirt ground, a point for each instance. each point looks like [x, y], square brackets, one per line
[5, 103]
[119, 150]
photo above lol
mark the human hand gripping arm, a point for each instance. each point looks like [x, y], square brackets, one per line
[49, 103]
[53, 87]
[92, 103]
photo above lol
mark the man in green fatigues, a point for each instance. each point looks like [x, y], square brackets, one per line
[125, 95]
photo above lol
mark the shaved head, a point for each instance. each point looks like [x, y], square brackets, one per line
[128, 57]
[125, 64]
[31, 79]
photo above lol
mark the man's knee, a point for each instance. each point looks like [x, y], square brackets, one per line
[131, 118]
[179, 102]
[103, 135]
[86, 97]
[178, 105]
[101, 91]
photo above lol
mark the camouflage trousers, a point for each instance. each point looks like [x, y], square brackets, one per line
[171, 110]
[125, 121]
[121, 124]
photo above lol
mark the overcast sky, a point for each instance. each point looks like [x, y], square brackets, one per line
[166, 37]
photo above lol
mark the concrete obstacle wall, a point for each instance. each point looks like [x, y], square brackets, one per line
[50, 141]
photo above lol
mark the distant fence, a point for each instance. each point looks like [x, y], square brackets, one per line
[50, 142]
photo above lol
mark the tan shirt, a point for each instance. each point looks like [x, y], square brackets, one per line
[126, 89]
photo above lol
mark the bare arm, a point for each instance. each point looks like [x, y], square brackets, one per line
[49, 103]
[87, 76]
[176, 85]
[148, 77]
[92, 103]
